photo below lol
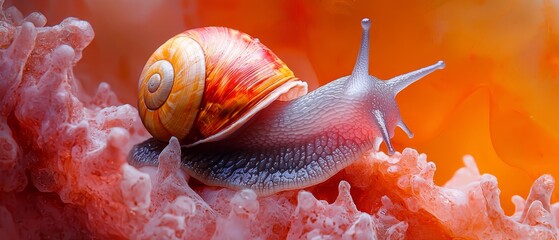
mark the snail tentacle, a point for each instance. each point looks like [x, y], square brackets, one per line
[399, 83]
[361, 68]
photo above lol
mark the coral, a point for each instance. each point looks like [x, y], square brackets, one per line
[63, 171]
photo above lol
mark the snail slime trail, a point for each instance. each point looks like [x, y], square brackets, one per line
[272, 136]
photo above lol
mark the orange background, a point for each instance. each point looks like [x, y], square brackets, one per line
[496, 100]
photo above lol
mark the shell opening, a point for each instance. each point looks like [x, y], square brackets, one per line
[290, 90]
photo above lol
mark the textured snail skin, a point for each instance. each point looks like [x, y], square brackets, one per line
[295, 144]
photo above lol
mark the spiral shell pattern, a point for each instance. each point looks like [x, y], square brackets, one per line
[205, 83]
[171, 88]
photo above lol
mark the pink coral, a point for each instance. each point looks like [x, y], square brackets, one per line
[64, 175]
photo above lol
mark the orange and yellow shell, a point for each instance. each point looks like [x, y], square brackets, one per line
[205, 83]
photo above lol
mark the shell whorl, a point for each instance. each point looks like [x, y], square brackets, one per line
[171, 88]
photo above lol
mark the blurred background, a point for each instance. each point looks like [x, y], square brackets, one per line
[497, 99]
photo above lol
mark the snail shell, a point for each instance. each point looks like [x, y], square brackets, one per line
[205, 83]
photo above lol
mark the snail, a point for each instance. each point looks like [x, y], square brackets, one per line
[245, 121]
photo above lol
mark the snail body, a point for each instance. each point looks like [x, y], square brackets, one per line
[301, 141]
